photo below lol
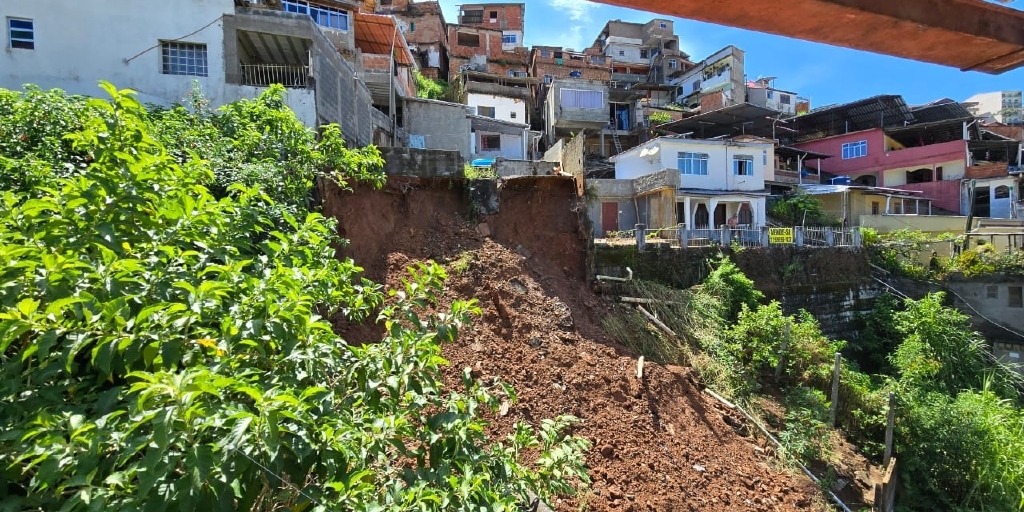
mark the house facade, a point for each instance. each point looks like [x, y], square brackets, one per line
[717, 81]
[509, 18]
[230, 52]
[424, 29]
[717, 178]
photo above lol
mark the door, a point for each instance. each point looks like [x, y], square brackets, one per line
[982, 202]
[700, 217]
[609, 217]
[719, 214]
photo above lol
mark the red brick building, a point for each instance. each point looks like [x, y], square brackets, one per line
[425, 31]
[480, 49]
[509, 18]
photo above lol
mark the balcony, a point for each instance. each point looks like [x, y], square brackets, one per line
[264, 75]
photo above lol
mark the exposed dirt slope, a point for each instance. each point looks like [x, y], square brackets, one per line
[658, 443]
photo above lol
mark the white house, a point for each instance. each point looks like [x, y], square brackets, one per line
[161, 49]
[717, 178]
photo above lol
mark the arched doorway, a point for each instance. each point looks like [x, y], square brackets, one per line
[719, 214]
[868, 180]
[701, 218]
[746, 215]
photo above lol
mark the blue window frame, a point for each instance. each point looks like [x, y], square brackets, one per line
[694, 164]
[743, 165]
[323, 16]
[855, 149]
[508, 39]
[21, 34]
[179, 58]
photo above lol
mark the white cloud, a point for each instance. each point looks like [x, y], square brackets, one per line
[578, 10]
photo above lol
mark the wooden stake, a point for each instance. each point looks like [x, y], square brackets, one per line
[782, 354]
[835, 390]
[655, 321]
[889, 424]
[640, 368]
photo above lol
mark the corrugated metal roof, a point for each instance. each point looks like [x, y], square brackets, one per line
[374, 34]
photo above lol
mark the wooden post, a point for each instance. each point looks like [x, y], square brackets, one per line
[655, 321]
[835, 391]
[889, 424]
[640, 368]
[782, 353]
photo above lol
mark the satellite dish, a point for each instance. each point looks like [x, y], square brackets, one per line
[654, 150]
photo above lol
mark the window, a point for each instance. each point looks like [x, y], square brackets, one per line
[696, 86]
[874, 207]
[992, 292]
[323, 16]
[178, 58]
[512, 115]
[784, 99]
[672, 64]
[743, 165]
[1001, 192]
[663, 25]
[771, 94]
[622, 53]
[547, 79]
[579, 98]
[21, 34]
[1016, 298]
[412, 26]
[558, 55]
[508, 39]
[545, 53]
[385, 2]
[855, 149]
[695, 164]
[467, 39]
[472, 17]
[644, 53]
[490, 142]
[485, 111]
[494, 16]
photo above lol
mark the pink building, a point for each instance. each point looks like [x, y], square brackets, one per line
[886, 158]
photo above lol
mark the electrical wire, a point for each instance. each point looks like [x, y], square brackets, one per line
[147, 50]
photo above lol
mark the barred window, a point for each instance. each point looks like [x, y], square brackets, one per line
[21, 34]
[179, 58]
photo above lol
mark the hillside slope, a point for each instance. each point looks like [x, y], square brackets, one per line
[658, 443]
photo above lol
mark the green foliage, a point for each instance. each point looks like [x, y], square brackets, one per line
[984, 259]
[800, 208]
[961, 453]
[429, 88]
[902, 252]
[659, 118]
[878, 338]
[806, 433]
[735, 289]
[479, 173]
[156, 354]
[940, 352]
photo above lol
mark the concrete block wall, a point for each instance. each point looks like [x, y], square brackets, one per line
[423, 163]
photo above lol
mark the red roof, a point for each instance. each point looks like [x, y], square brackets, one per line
[374, 34]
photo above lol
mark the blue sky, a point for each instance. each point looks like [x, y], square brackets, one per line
[824, 73]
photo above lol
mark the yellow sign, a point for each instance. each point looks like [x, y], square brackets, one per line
[780, 235]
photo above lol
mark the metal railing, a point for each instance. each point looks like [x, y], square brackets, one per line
[744, 236]
[264, 75]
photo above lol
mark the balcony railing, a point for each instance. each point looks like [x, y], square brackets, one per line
[263, 75]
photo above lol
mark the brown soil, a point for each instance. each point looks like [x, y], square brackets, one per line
[659, 443]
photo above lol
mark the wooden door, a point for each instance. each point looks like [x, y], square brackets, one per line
[609, 217]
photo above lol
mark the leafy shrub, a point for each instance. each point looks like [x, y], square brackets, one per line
[156, 355]
[806, 434]
[659, 118]
[799, 208]
[430, 88]
[732, 287]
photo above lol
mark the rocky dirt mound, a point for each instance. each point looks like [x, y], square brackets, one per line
[659, 443]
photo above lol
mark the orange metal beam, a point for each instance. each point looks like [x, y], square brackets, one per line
[971, 35]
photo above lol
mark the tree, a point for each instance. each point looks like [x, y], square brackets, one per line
[164, 348]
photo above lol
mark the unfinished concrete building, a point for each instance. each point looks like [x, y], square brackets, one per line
[480, 49]
[642, 52]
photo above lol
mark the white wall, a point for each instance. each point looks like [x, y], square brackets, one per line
[79, 43]
[630, 164]
[630, 52]
[952, 170]
[503, 107]
[511, 147]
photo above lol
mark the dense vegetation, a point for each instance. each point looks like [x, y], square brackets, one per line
[799, 209]
[430, 88]
[917, 255]
[164, 290]
[959, 429]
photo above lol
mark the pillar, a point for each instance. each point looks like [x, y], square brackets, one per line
[688, 211]
[888, 201]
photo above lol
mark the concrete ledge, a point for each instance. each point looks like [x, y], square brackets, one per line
[423, 163]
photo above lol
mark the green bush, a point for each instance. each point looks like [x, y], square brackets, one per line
[157, 355]
[799, 208]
